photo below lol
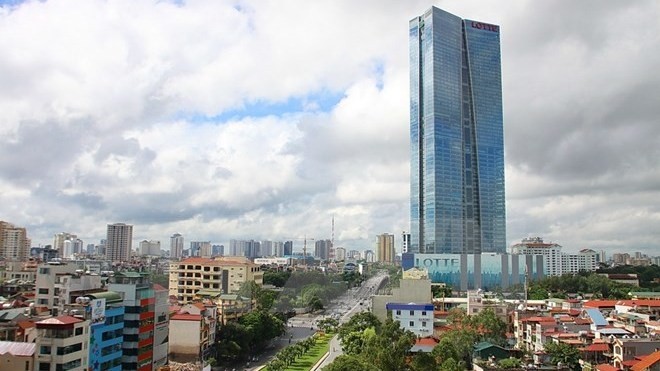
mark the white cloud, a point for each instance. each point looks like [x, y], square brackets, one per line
[116, 111]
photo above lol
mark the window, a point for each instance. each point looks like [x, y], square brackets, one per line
[423, 313]
[44, 271]
[423, 323]
[411, 323]
[44, 366]
[44, 349]
[79, 331]
[412, 312]
[398, 312]
[43, 291]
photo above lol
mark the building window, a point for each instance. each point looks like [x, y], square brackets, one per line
[79, 331]
[398, 312]
[423, 313]
[43, 291]
[412, 312]
[44, 366]
[411, 323]
[423, 323]
[44, 349]
[44, 271]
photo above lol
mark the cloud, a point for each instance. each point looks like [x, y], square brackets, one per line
[264, 119]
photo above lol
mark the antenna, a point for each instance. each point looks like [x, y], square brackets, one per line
[332, 239]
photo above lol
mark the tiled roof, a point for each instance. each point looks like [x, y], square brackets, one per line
[427, 341]
[600, 303]
[185, 317]
[647, 361]
[61, 320]
[606, 367]
[25, 324]
[17, 348]
[598, 347]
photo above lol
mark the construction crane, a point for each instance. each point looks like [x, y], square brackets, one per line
[304, 239]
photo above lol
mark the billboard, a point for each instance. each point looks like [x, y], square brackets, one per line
[98, 311]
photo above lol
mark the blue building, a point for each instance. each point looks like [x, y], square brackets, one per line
[106, 312]
[456, 133]
[477, 271]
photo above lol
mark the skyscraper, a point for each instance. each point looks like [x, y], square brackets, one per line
[456, 133]
[14, 242]
[176, 246]
[119, 242]
[385, 247]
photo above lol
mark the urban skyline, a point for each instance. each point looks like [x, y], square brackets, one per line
[171, 132]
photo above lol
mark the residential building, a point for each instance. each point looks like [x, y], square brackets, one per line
[266, 248]
[161, 328]
[478, 300]
[150, 248]
[57, 284]
[139, 319]
[14, 242]
[119, 242]
[322, 249]
[405, 242]
[17, 356]
[278, 248]
[193, 330]
[385, 248]
[288, 248]
[221, 274]
[62, 344]
[25, 271]
[176, 246]
[340, 254]
[626, 349]
[369, 256]
[200, 248]
[456, 132]
[417, 318]
[105, 312]
[555, 261]
[413, 288]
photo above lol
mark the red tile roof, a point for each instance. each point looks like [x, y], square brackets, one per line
[597, 347]
[606, 367]
[600, 303]
[25, 324]
[185, 317]
[630, 362]
[426, 341]
[61, 320]
[647, 362]
[538, 319]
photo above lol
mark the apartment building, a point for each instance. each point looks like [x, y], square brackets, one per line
[220, 274]
[417, 318]
[193, 330]
[62, 344]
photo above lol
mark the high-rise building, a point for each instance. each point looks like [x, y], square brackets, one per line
[200, 248]
[176, 246]
[322, 249]
[60, 239]
[119, 242]
[385, 248]
[150, 248]
[288, 248]
[456, 133]
[14, 243]
[405, 245]
[340, 254]
[556, 262]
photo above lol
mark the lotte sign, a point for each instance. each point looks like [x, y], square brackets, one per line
[485, 26]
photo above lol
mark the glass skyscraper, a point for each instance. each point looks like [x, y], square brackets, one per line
[456, 133]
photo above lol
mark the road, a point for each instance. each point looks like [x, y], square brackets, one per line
[303, 326]
[362, 303]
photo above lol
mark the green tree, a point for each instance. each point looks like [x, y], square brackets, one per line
[328, 324]
[389, 346]
[233, 341]
[564, 353]
[423, 361]
[358, 323]
[489, 326]
[441, 291]
[350, 363]
[276, 278]
[452, 364]
[509, 363]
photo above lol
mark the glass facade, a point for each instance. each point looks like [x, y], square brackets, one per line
[487, 271]
[456, 133]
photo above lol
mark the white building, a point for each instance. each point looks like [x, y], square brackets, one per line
[176, 246]
[340, 254]
[417, 318]
[119, 242]
[62, 344]
[555, 262]
[150, 248]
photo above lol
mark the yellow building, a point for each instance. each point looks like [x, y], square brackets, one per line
[385, 248]
[221, 274]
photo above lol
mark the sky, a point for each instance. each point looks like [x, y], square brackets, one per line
[265, 119]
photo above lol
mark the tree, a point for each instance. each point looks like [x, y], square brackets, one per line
[452, 365]
[509, 363]
[359, 323]
[441, 291]
[489, 326]
[233, 341]
[349, 363]
[564, 353]
[328, 324]
[389, 346]
[423, 361]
